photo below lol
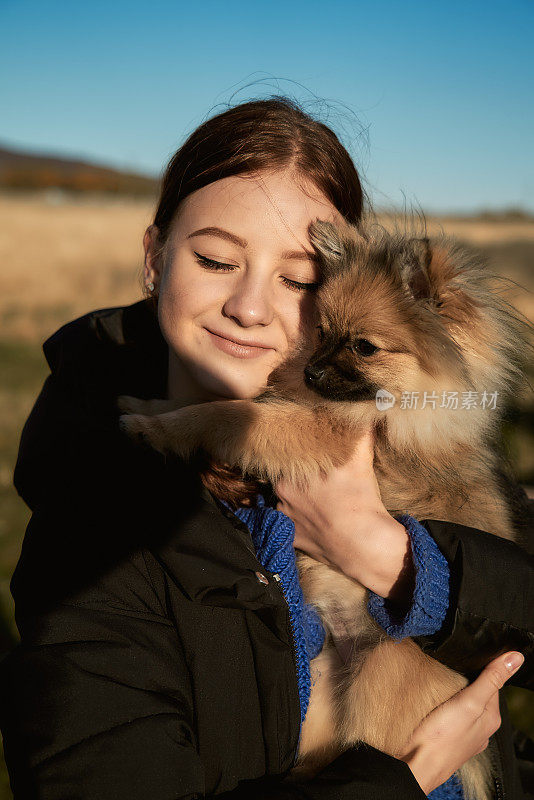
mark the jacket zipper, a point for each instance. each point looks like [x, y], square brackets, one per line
[499, 787]
[278, 582]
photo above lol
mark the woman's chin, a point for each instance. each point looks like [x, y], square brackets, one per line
[231, 387]
[226, 391]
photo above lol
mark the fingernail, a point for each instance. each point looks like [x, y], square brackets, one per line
[514, 662]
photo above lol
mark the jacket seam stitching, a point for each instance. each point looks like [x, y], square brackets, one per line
[495, 621]
[100, 733]
[143, 554]
[110, 606]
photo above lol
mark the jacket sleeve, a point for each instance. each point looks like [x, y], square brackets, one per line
[491, 598]
[430, 599]
[96, 701]
[362, 773]
[97, 705]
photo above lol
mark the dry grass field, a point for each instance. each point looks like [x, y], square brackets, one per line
[61, 258]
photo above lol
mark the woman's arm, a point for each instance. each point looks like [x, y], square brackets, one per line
[491, 606]
[340, 520]
[491, 585]
[447, 737]
[97, 702]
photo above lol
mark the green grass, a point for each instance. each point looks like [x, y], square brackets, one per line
[24, 369]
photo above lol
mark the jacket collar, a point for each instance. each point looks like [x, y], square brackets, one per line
[205, 549]
[121, 347]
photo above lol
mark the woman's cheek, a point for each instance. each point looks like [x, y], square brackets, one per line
[301, 320]
[181, 300]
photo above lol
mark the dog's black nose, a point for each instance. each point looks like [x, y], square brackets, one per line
[313, 373]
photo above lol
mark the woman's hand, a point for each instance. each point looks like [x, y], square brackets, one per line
[341, 521]
[460, 728]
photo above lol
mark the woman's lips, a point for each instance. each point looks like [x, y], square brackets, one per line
[235, 349]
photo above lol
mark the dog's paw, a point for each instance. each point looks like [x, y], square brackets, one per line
[135, 405]
[131, 405]
[145, 430]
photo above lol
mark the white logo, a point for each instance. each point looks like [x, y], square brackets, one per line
[448, 400]
[384, 400]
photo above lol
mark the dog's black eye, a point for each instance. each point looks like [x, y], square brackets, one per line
[321, 332]
[364, 347]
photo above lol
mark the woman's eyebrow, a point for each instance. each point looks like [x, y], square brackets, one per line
[301, 255]
[222, 234]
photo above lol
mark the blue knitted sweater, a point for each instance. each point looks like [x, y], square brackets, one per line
[273, 534]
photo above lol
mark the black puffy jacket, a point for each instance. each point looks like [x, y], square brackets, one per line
[153, 662]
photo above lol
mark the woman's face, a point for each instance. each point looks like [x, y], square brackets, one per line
[236, 283]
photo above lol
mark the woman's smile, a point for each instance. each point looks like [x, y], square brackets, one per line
[233, 309]
[236, 348]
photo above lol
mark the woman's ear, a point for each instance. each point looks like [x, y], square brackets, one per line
[153, 256]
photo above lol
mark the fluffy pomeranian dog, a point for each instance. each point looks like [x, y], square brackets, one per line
[419, 322]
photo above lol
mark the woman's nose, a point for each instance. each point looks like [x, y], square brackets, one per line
[249, 303]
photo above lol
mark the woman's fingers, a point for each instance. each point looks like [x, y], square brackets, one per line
[461, 727]
[340, 519]
[363, 454]
[359, 465]
[491, 679]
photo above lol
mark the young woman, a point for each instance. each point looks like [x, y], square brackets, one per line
[157, 655]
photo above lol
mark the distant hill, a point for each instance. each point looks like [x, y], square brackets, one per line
[20, 170]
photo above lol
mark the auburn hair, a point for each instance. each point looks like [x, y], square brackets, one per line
[267, 134]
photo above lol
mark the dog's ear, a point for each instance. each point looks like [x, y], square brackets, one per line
[332, 243]
[414, 267]
[327, 239]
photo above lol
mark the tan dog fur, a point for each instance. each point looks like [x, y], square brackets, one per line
[439, 325]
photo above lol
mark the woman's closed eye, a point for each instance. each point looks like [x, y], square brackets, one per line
[210, 263]
[204, 261]
[299, 286]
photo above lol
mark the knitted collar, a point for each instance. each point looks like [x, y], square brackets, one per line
[273, 534]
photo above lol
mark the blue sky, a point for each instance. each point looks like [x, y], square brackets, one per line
[433, 99]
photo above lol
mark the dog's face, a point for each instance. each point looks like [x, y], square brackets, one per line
[342, 368]
[387, 316]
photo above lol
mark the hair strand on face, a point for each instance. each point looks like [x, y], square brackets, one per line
[259, 135]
